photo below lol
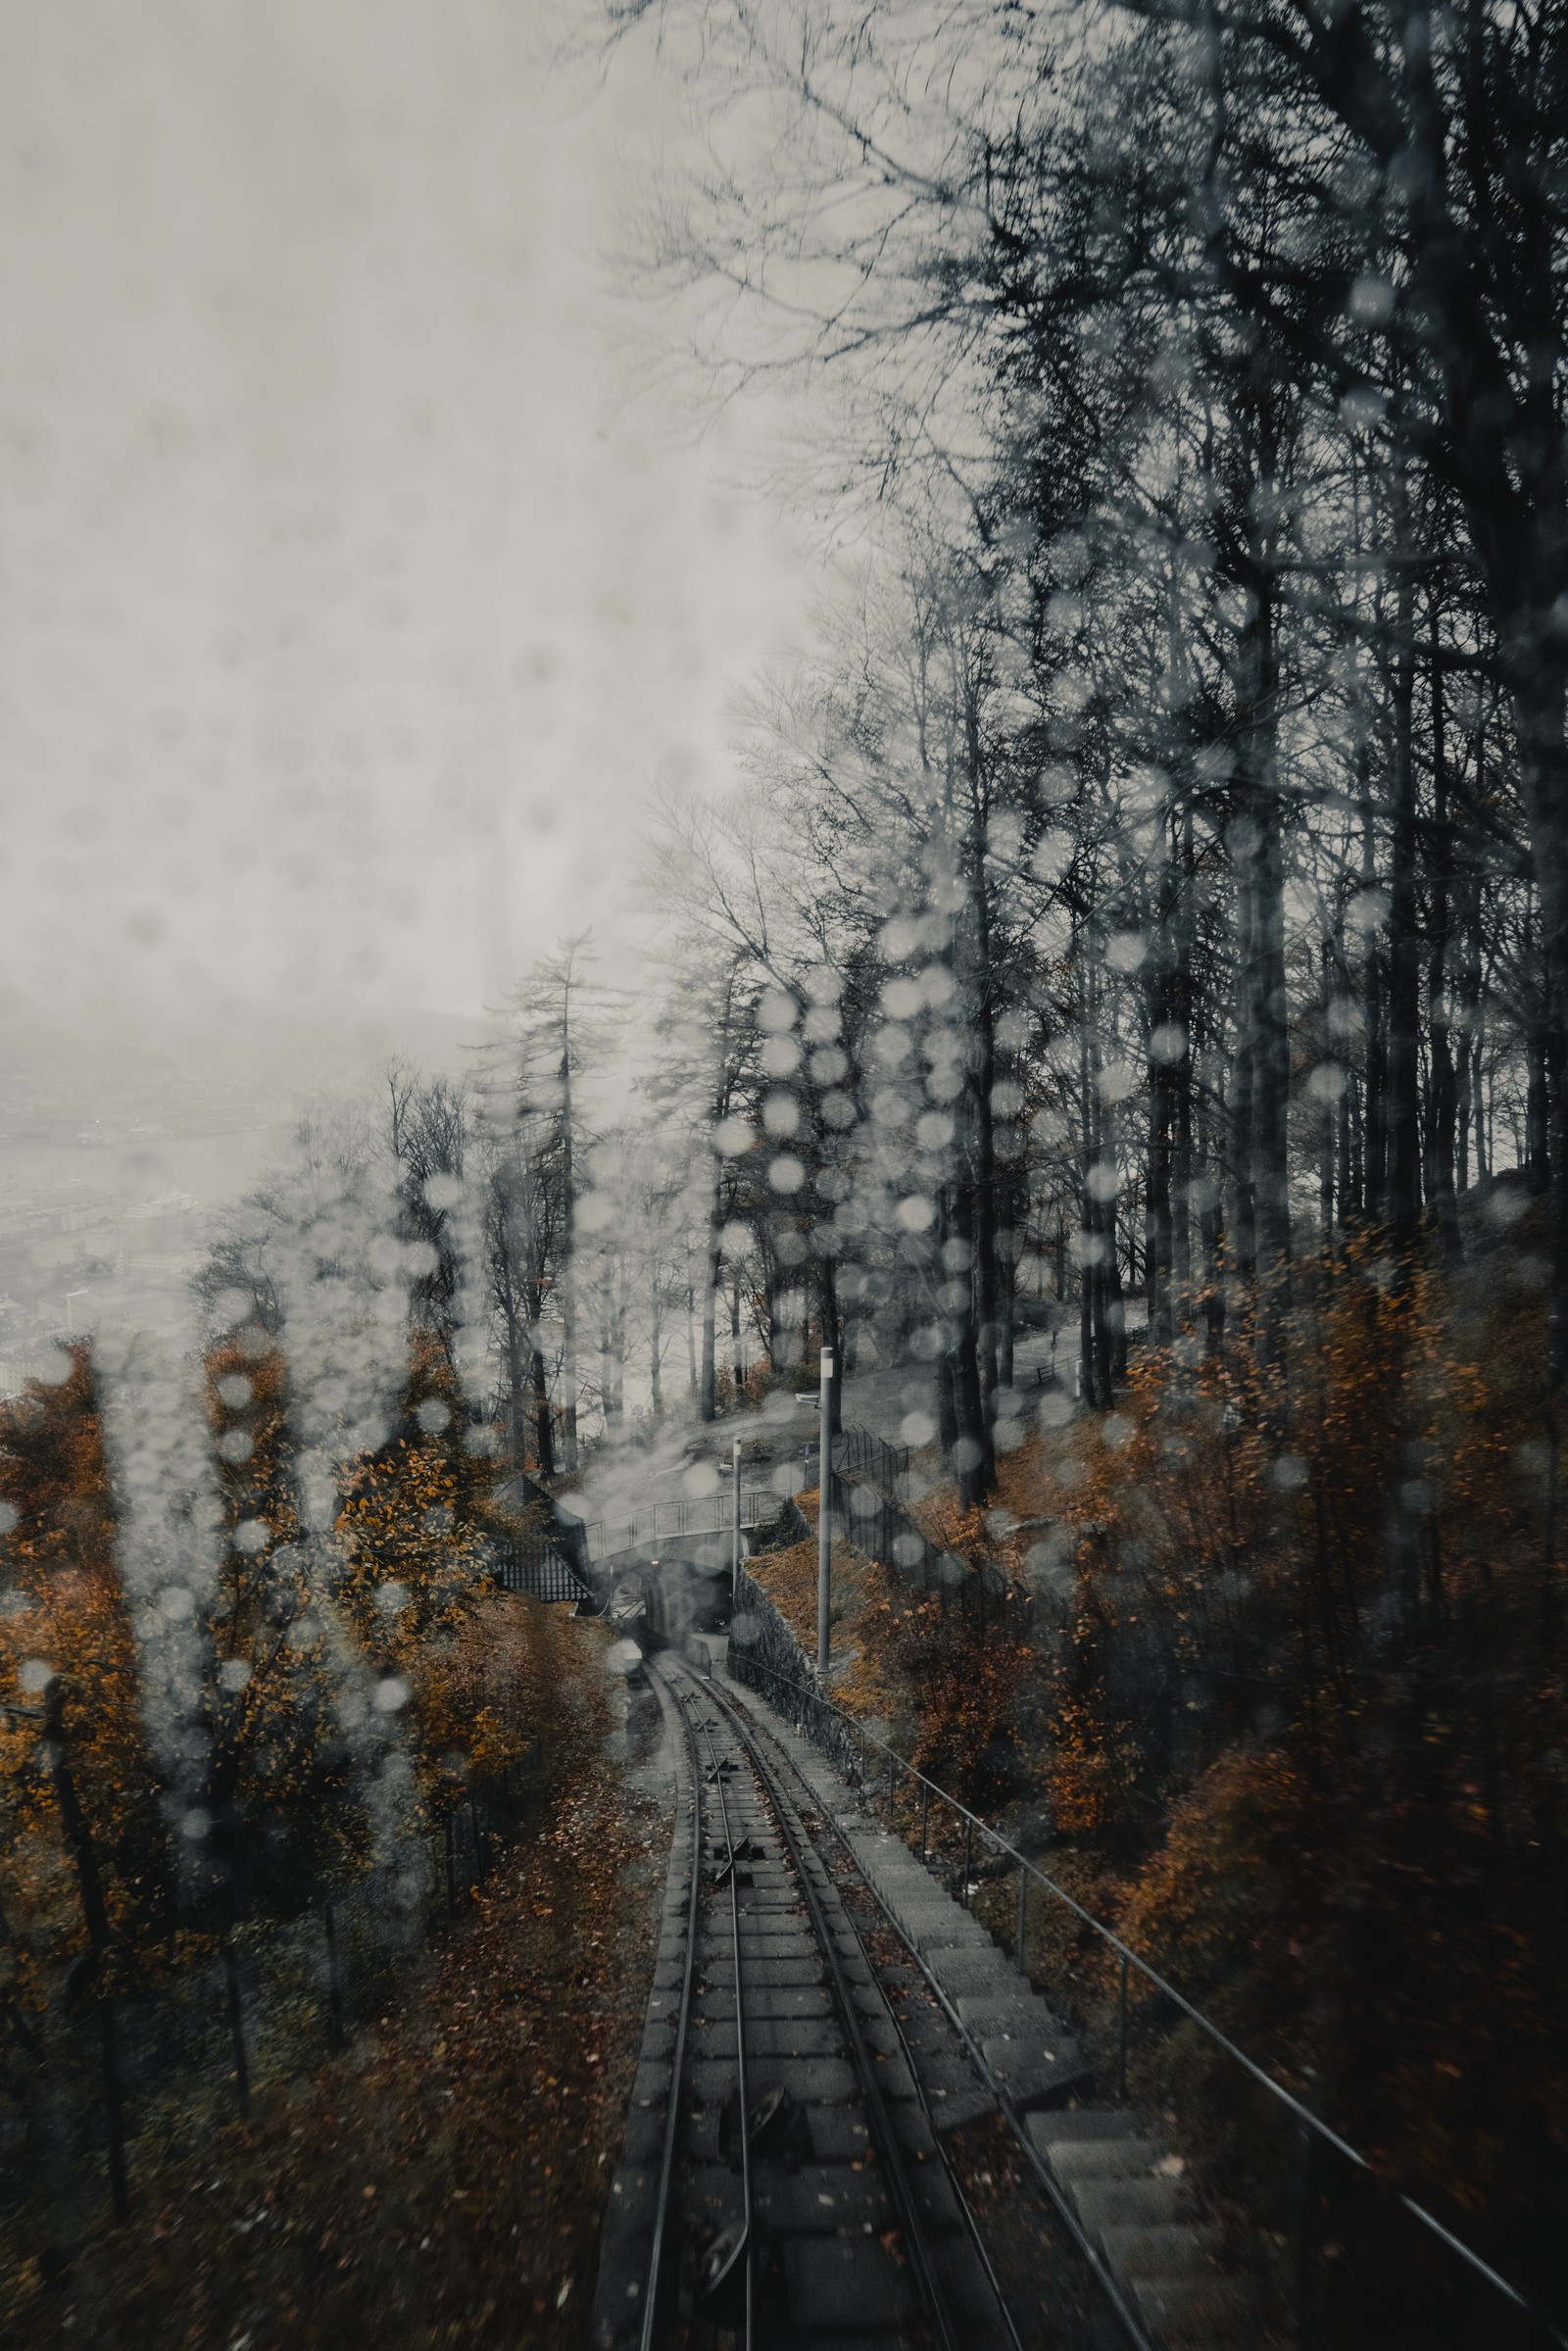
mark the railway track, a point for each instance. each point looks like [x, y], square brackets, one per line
[837, 2216]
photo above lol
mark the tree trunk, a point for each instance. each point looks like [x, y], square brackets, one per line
[1328, 1139]
[544, 1435]
[515, 1346]
[705, 1377]
[567, 1286]
[1271, 1099]
[974, 1460]
[1537, 1115]
[1088, 1234]
[1443, 1108]
[1263, 1098]
[691, 1338]
[1211, 1229]
[983, 1180]
[1159, 1228]
[1538, 706]
[1374, 1124]
[1007, 1293]
[606, 1371]
[1243, 1074]
[1401, 1206]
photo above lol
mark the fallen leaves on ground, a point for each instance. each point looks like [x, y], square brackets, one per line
[443, 2180]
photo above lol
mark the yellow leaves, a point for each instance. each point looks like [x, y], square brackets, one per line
[71, 1618]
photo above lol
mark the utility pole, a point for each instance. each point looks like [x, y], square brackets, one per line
[569, 1231]
[735, 1547]
[824, 1529]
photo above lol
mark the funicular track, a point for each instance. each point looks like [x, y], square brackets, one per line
[836, 2218]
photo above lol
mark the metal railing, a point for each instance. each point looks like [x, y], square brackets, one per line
[846, 1741]
[698, 1514]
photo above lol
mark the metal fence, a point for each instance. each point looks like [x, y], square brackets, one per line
[765, 1654]
[1319, 2173]
[561, 1533]
[98, 2092]
[978, 1589]
[858, 1454]
[542, 1569]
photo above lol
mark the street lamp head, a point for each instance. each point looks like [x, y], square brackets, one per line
[827, 1363]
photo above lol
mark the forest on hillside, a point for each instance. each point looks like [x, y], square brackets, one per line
[1140, 917]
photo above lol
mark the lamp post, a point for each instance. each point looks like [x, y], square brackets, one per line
[735, 1546]
[824, 1529]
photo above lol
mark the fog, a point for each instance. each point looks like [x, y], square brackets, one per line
[350, 602]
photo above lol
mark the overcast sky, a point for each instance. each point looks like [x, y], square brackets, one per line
[346, 608]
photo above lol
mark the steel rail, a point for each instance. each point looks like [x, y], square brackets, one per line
[1303, 2114]
[966, 2211]
[666, 2157]
[748, 2246]
[891, 2153]
[1121, 2308]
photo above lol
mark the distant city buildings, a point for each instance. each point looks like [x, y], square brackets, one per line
[72, 1259]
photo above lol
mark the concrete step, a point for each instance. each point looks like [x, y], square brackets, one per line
[1191, 2313]
[956, 2109]
[980, 1971]
[1035, 2081]
[937, 1934]
[1145, 2203]
[1106, 2158]
[1020, 2054]
[1076, 2123]
[986, 2013]
[1179, 2249]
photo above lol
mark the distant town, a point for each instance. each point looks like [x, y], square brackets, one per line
[65, 1261]
[112, 1169]
[116, 1154]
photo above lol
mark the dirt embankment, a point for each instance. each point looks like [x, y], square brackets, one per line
[441, 2182]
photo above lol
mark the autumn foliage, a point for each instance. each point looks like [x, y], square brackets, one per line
[391, 1623]
[61, 1604]
[1289, 1713]
[1308, 1618]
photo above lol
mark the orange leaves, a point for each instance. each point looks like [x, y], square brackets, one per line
[64, 1611]
[486, 2107]
[414, 1543]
